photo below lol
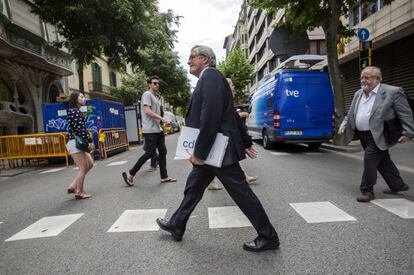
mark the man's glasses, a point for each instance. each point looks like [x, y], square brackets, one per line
[155, 83]
[191, 57]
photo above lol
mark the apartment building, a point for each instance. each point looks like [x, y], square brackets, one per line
[266, 47]
[31, 70]
[98, 78]
[391, 31]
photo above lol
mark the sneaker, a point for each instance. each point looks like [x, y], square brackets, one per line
[214, 186]
[405, 187]
[151, 169]
[366, 197]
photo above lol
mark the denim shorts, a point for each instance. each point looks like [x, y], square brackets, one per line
[71, 147]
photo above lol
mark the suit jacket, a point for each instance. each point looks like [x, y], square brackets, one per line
[211, 110]
[389, 103]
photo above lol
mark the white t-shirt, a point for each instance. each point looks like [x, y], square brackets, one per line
[150, 124]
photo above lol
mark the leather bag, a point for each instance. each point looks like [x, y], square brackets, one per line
[392, 130]
[82, 144]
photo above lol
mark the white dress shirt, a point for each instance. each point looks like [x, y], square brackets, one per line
[364, 109]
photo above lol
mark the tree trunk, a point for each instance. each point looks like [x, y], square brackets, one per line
[80, 76]
[331, 36]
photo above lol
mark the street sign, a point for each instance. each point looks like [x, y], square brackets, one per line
[363, 34]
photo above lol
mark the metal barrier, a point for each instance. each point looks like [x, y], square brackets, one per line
[33, 146]
[111, 139]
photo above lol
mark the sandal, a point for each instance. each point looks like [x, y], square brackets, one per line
[125, 177]
[71, 190]
[168, 180]
[83, 196]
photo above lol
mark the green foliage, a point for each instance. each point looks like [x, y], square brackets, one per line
[133, 86]
[119, 29]
[240, 71]
[175, 86]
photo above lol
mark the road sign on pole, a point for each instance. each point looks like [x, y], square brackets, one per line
[363, 34]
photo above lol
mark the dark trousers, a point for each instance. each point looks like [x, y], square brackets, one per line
[376, 159]
[154, 157]
[234, 181]
[152, 143]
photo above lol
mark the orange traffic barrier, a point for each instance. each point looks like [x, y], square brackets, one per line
[33, 146]
[111, 139]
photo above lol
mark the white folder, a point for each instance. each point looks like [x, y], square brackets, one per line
[187, 140]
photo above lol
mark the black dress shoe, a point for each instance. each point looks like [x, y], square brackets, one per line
[405, 187]
[166, 226]
[259, 244]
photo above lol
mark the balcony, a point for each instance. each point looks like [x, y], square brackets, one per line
[99, 90]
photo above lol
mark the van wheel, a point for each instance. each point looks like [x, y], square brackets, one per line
[315, 146]
[267, 144]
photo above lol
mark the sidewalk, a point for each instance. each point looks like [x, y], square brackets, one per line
[354, 146]
[401, 154]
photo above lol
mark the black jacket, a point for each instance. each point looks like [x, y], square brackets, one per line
[211, 110]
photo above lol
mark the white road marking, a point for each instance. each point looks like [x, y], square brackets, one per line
[77, 168]
[52, 170]
[138, 220]
[313, 154]
[400, 167]
[400, 207]
[46, 227]
[227, 217]
[279, 154]
[117, 163]
[317, 212]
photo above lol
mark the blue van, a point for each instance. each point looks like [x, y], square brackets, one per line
[294, 106]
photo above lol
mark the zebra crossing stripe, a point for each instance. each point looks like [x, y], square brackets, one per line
[400, 207]
[227, 217]
[52, 170]
[138, 220]
[279, 154]
[46, 227]
[115, 163]
[318, 212]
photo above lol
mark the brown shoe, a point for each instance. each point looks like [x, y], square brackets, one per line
[366, 197]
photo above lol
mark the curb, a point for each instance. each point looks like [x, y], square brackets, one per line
[344, 149]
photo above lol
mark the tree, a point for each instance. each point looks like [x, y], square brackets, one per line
[175, 86]
[116, 29]
[240, 71]
[132, 88]
[309, 14]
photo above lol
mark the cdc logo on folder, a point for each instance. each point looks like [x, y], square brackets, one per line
[187, 140]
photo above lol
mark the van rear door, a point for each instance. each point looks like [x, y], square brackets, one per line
[290, 102]
[319, 101]
[306, 102]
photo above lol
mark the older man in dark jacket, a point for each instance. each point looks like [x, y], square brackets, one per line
[211, 110]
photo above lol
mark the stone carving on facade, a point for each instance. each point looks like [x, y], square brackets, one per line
[25, 43]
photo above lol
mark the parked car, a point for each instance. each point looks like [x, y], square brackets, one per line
[173, 126]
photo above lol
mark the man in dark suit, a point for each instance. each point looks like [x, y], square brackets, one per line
[212, 111]
[371, 106]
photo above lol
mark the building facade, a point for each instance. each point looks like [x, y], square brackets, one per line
[391, 31]
[98, 78]
[266, 47]
[31, 70]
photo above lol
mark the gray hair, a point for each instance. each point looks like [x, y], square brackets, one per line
[207, 52]
[376, 70]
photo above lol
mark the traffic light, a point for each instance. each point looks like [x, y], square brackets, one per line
[365, 48]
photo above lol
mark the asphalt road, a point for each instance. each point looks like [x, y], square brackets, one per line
[376, 242]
